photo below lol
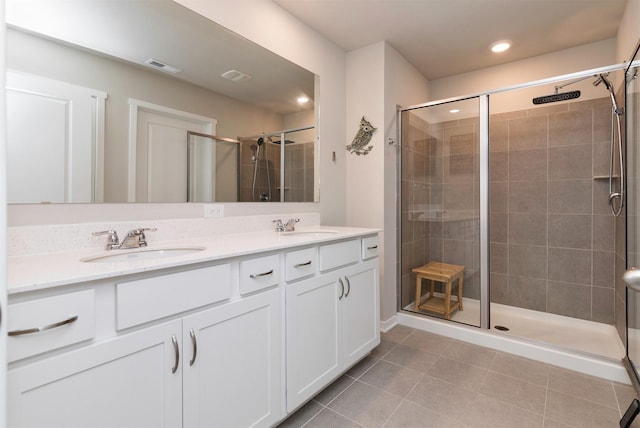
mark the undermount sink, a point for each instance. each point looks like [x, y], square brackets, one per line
[309, 233]
[142, 254]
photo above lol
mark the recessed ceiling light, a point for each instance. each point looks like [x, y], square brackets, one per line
[454, 110]
[303, 99]
[500, 46]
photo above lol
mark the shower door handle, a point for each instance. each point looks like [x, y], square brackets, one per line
[632, 279]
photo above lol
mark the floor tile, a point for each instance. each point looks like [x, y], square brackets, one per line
[460, 374]
[411, 358]
[366, 405]
[360, 368]
[470, 354]
[551, 423]
[382, 349]
[491, 413]
[427, 342]
[397, 334]
[441, 397]
[391, 378]
[451, 384]
[577, 412]
[521, 394]
[521, 368]
[411, 415]
[332, 391]
[330, 419]
[302, 415]
[582, 386]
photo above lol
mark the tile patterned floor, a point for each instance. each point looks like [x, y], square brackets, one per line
[418, 379]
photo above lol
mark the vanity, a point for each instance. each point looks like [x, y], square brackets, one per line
[237, 330]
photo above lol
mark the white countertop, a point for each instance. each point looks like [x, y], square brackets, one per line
[40, 271]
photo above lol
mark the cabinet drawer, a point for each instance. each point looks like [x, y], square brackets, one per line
[340, 254]
[257, 274]
[45, 324]
[301, 263]
[150, 299]
[370, 247]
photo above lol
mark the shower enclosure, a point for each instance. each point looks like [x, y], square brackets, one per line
[518, 193]
[278, 166]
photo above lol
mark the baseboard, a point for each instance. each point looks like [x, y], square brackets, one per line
[387, 325]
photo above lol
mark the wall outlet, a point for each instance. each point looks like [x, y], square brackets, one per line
[213, 210]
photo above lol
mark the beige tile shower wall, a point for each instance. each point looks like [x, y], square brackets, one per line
[552, 236]
[440, 199]
[415, 195]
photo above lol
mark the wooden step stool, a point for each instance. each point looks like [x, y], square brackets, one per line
[441, 272]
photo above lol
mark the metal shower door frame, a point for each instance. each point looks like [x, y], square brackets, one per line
[483, 97]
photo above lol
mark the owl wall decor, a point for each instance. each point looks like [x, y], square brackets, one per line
[362, 138]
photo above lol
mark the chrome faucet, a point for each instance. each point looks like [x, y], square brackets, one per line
[135, 238]
[289, 226]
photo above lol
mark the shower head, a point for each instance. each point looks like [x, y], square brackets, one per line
[563, 96]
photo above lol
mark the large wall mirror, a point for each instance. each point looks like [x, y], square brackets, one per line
[147, 101]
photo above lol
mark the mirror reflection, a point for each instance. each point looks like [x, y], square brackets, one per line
[147, 101]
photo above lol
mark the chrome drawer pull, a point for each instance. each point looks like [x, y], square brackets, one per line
[258, 275]
[346, 278]
[174, 339]
[341, 285]
[195, 346]
[372, 248]
[302, 264]
[46, 327]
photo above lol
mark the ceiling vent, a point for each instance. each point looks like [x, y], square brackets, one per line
[162, 66]
[235, 76]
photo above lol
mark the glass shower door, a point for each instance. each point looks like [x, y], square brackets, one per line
[632, 117]
[440, 211]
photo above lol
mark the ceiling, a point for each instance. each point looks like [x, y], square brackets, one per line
[138, 30]
[446, 37]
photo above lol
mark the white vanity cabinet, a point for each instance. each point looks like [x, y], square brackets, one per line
[126, 381]
[232, 372]
[235, 341]
[217, 366]
[332, 320]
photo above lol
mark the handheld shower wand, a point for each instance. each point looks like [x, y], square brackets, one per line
[616, 112]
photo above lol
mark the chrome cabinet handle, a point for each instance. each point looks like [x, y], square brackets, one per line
[341, 285]
[346, 278]
[258, 275]
[195, 346]
[302, 264]
[174, 339]
[43, 328]
[372, 248]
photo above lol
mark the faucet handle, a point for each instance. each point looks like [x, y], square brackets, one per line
[290, 226]
[279, 225]
[113, 242]
[142, 239]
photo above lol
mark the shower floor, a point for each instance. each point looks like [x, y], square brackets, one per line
[564, 332]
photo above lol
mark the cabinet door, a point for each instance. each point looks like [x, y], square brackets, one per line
[233, 364]
[360, 318]
[312, 336]
[123, 382]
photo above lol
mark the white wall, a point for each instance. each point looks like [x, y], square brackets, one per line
[378, 79]
[629, 31]
[294, 41]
